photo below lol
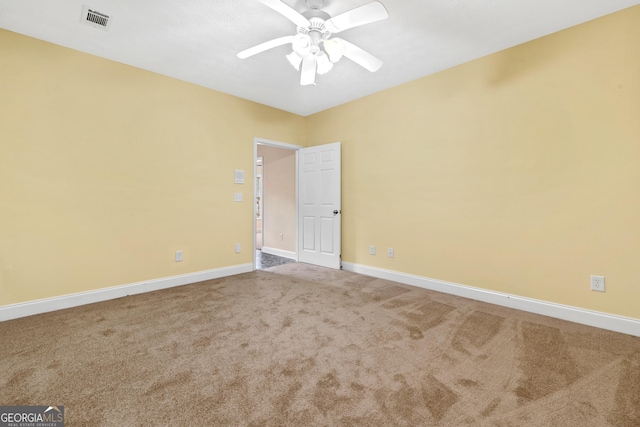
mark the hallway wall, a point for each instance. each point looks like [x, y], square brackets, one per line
[279, 175]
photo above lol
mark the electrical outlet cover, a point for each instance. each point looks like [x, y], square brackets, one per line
[597, 283]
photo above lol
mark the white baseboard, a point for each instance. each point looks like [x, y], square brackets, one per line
[45, 305]
[279, 252]
[625, 325]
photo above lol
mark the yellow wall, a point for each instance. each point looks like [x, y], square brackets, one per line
[106, 170]
[518, 172]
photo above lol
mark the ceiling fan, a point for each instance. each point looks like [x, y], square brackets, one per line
[314, 48]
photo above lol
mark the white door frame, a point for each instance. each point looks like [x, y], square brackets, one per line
[262, 141]
[259, 203]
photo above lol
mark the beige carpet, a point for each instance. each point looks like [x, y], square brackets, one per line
[298, 345]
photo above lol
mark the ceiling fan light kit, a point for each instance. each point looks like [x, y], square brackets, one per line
[323, 64]
[295, 60]
[334, 48]
[314, 50]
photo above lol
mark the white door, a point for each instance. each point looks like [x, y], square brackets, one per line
[319, 209]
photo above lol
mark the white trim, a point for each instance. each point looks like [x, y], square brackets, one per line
[625, 325]
[297, 196]
[45, 305]
[279, 252]
[264, 141]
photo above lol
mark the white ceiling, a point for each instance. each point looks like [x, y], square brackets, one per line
[197, 40]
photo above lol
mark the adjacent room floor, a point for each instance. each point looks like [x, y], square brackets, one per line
[264, 260]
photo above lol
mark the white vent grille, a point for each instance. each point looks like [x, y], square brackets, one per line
[94, 18]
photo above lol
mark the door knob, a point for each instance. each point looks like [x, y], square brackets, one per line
[336, 212]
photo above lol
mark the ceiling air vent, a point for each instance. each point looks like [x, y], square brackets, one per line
[94, 18]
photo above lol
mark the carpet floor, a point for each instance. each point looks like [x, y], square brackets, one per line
[298, 345]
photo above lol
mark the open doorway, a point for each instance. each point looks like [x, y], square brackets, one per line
[275, 203]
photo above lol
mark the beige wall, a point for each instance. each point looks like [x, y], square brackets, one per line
[106, 170]
[279, 175]
[518, 172]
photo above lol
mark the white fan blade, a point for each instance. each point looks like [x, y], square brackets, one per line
[361, 57]
[308, 74]
[287, 11]
[370, 12]
[265, 46]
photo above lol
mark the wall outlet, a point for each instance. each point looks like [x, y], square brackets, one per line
[390, 252]
[372, 249]
[597, 283]
[238, 248]
[281, 237]
[178, 256]
[237, 197]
